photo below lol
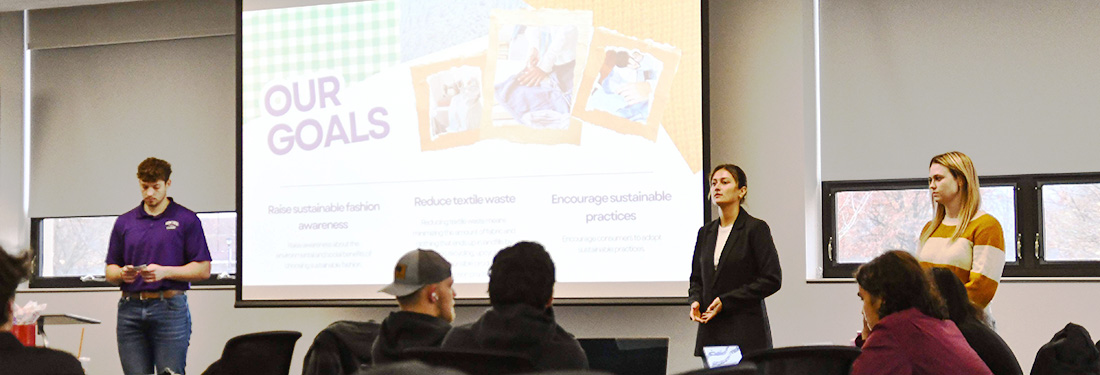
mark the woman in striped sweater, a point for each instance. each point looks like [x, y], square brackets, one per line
[961, 237]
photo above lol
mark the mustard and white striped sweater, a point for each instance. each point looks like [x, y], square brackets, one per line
[977, 257]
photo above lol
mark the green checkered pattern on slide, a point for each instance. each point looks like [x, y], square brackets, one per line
[352, 40]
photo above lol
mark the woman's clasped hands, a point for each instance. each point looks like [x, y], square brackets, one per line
[705, 316]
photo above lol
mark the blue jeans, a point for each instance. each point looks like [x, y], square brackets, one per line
[153, 331]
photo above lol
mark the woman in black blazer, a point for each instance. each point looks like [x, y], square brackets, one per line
[727, 294]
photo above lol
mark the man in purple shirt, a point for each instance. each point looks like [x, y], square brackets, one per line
[156, 251]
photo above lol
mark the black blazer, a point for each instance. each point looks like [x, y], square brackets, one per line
[747, 271]
[17, 359]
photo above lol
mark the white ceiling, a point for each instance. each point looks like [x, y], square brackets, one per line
[15, 5]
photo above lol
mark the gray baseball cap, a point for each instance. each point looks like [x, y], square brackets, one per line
[416, 269]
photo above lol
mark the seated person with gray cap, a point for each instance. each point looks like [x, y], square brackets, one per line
[422, 284]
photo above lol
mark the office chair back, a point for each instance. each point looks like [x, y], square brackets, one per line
[810, 360]
[260, 353]
[473, 361]
[633, 356]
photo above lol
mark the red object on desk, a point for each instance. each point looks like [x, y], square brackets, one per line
[25, 333]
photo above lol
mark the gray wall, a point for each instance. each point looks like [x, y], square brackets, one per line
[763, 119]
[990, 78]
[114, 84]
[13, 227]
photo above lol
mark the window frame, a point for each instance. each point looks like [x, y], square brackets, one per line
[1063, 268]
[37, 281]
[1030, 260]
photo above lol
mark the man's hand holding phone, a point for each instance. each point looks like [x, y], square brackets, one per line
[153, 272]
[130, 273]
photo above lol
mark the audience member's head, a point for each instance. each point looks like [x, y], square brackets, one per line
[422, 283]
[13, 270]
[522, 273]
[893, 282]
[959, 307]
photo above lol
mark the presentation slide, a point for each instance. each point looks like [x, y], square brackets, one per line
[374, 128]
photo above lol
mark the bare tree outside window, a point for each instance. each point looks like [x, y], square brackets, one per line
[74, 246]
[77, 246]
[1071, 222]
[1000, 201]
[873, 221]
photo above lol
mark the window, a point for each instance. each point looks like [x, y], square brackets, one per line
[71, 250]
[1049, 222]
[869, 221]
[1071, 222]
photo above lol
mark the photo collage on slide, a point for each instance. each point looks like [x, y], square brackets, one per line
[545, 72]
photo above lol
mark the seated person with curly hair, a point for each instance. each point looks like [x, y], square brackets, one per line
[905, 326]
[521, 321]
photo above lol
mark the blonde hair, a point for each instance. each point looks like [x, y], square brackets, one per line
[962, 170]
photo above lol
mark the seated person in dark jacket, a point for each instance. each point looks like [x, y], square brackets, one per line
[521, 321]
[341, 348]
[14, 357]
[422, 284]
[968, 317]
[1069, 352]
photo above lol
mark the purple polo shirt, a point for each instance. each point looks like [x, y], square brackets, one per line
[173, 238]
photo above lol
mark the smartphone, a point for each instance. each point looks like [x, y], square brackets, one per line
[140, 268]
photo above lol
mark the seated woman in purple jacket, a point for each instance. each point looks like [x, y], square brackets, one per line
[905, 330]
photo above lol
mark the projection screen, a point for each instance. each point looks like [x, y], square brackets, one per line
[373, 128]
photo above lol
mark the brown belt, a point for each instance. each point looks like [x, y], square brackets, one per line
[155, 294]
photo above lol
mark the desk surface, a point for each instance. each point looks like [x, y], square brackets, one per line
[52, 319]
